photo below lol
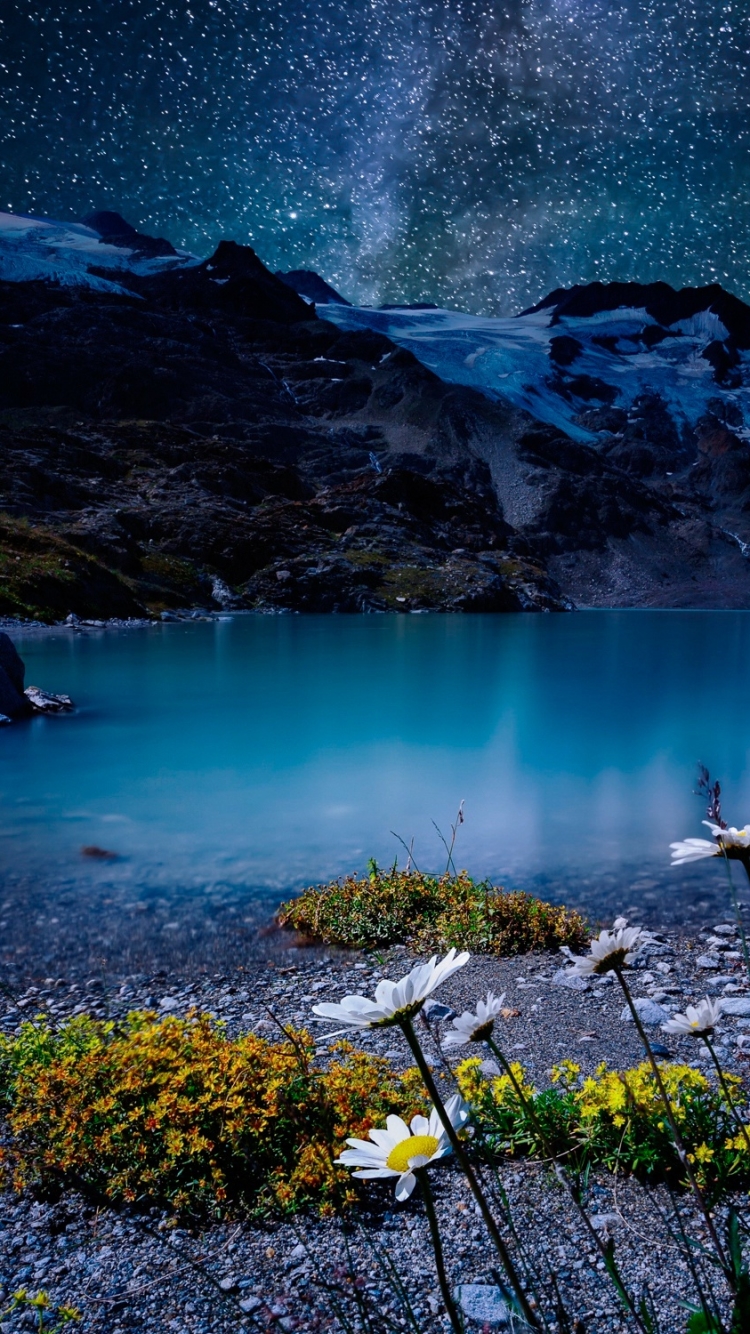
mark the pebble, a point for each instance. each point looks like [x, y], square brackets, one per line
[565, 977]
[648, 1012]
[483, 1303]
[736, 1005]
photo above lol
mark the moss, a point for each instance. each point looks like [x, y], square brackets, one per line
[44, 576]
[431, 912]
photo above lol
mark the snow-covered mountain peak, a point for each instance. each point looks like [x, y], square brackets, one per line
[76, 254]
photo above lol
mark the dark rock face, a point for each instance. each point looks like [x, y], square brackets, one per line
[207, 441]
[12, 663]
[12, 705]
[13, 702]
[116, 231]
[312, 287]
[661, 301]
[209, 433]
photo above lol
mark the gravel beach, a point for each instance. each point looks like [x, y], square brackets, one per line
[128, 1271]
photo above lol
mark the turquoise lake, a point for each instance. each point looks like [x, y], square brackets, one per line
[256, 754]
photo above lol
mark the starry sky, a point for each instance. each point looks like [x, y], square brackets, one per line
[475, 153]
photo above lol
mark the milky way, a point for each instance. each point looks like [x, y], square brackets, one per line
[463, 152]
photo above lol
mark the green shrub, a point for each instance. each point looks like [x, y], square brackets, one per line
[173, 1111]
[615, 1119]
[431, 913]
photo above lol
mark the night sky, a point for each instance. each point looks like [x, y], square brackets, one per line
[467, 152]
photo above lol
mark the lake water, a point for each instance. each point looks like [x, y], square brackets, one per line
[252, 755]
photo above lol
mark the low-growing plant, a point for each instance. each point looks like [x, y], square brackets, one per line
[615, 1119]
[173, 1111]
[431, 913]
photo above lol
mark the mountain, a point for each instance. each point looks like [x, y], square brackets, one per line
[193, 435]
[181, 432]
[312, 287]
[95, 253]
[638, 382]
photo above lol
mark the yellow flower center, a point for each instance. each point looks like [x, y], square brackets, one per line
[416, 1146]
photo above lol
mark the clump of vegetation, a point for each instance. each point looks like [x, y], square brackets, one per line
[174, 1112]
[615, 1119]
[431, 913]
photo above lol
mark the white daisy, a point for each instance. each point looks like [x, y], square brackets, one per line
[734, 842]
[475, 1027]
[692, 849]
[394, 1001]
[399, 1150]
[610, 949]
[697, 1021]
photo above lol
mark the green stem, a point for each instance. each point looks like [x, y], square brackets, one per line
[727, 1092]
[736, 905]
[676, 1136]
[563, 1178]
[470, 1174]
[437, 1246]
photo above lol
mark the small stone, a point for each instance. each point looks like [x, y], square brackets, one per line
[490, 1069]
[250, 1304]
[736, 1005]
[565, 977]
[433, 1011]
[725, 929]
[483, 1303]
[602, 1222]
[707, 961]
[299, 1253]
[648, 1012]
[228, 1284]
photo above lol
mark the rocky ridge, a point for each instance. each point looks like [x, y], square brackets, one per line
[195, 435]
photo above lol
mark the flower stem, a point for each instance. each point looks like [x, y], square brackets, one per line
[736, 906]
[676, 1136]
[470, 1174]
[564, 1180]
[726, 1091]
[437, 1246]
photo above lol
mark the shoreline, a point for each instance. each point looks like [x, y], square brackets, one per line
[135, 1270]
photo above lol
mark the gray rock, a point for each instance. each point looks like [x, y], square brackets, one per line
[600, 1222]
[42, 701]
[228, 1284]
[483, 1303]
[736, 1005]
[12, 702]
[565, 977]
[433, 1010]
[707, 961]
[725, 929]
[250, 1304]
[648, 1012]
[11, 660]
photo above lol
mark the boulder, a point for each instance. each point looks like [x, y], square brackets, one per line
[13, 702]
[12, 661]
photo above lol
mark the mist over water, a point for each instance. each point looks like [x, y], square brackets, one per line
[262, 753]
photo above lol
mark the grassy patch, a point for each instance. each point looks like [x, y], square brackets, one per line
[172, 1111]
[44, 576]
[431, 912]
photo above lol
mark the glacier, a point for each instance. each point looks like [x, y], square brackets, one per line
[74, 255]
[512, 358]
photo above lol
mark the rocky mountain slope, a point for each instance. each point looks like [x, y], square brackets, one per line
[183, 433]
[634, 486]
